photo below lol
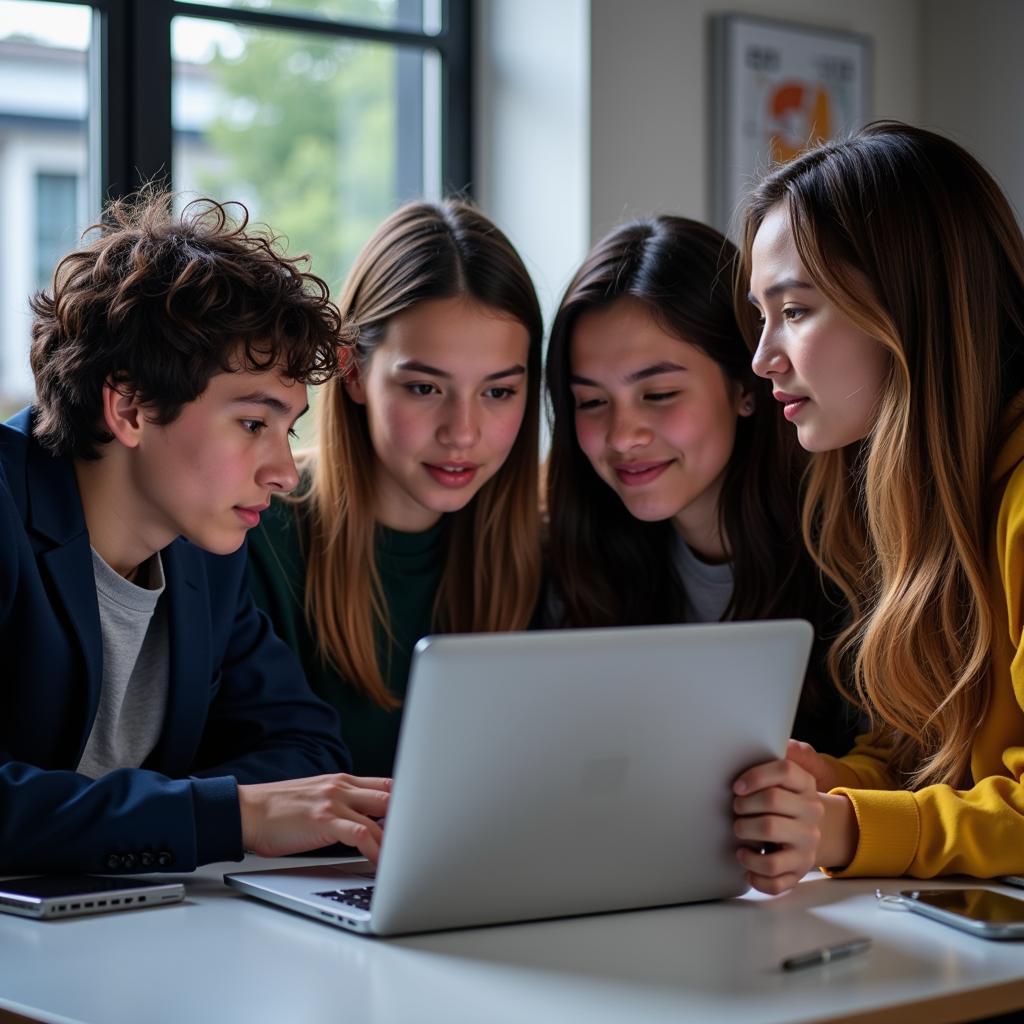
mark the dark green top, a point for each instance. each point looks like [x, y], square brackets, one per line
[410, 570]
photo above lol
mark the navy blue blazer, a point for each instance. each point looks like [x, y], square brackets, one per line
[239, 709]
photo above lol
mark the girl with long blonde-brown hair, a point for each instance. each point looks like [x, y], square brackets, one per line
[888, 269]
[417, 510]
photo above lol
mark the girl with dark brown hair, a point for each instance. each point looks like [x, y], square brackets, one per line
[672, 487]
[417, 510]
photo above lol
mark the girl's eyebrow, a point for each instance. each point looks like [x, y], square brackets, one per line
[648, 371]
[654, 370]
[512, 371]
[780, 286]
[417, 367]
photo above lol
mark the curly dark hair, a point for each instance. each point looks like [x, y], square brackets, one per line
[156, 304]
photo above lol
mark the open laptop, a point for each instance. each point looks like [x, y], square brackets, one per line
[547, 774]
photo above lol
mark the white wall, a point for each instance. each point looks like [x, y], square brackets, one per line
[593, 111]
[974, 83]
[650, 91]
[531, 132]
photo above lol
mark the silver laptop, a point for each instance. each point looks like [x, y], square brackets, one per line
[546, 774]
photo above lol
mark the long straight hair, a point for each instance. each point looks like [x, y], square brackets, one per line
[611, 568]
[912, 240]
[491, 575]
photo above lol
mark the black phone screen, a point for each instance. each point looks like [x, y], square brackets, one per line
[975, 904]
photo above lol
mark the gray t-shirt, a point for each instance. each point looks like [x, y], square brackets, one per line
[133, 696]
[708, 586]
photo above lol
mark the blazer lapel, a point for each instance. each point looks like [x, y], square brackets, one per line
[56, 519]
[188, 684]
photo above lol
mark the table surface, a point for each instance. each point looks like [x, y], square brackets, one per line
[222, 957]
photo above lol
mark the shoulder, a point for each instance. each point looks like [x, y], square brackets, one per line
[15, 441]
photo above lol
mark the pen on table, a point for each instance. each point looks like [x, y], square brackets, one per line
[826, 954]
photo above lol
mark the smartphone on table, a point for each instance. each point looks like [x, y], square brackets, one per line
[983, 912]
[50, 896]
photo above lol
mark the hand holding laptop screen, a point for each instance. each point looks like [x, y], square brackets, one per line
[279, 818]
[785, 805]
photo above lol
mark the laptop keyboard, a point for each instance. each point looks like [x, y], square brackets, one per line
[351, 897]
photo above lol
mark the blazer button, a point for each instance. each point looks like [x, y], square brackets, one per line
[164, 859]
[113, 861]
[128, 860]
[146, 859]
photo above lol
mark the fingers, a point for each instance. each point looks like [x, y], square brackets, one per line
[811, 761]
[784, 773]
[773, 886]
[364, 835]
[789, 860]
[778, 801]
[779, 832]
[365, 782]
[371, 802]
[778, 813]
[802, 753]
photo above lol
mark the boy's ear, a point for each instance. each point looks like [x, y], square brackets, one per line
[122, 415]
[354, 384]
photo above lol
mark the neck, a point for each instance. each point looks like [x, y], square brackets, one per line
[699, 525]
[120, 526]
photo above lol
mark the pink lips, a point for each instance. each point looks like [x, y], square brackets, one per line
[452, 474]
[250, 514]
[636, 474]
[792, 404]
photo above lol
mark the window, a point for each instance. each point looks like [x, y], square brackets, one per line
[322, 115]
[44, 127]
[56, 213]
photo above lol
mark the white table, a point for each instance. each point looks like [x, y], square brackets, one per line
[223, 958]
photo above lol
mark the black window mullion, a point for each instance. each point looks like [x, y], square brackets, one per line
[456, 100]
[151, 71]
[132, 86]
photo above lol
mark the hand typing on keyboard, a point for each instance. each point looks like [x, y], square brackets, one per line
[279, 818]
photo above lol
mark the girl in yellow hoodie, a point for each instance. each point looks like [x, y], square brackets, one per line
[888, 269]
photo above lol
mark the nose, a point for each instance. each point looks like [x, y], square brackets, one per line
[769, 358]
[460, 428]
[627, 430]
[279, 472]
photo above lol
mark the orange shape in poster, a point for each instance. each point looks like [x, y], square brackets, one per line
[800, 116]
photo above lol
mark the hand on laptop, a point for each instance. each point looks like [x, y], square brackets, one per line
[778, 810]
[279, 818]
[786, 825]
[803, 754]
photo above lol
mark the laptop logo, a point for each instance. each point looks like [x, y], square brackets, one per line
[603, 775]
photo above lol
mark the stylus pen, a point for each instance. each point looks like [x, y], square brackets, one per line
[826, 954]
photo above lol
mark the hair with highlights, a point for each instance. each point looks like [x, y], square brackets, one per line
[912, 240]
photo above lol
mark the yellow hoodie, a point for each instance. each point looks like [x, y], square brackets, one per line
[939, 830]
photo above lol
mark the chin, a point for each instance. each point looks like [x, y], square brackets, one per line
[647, 513]
[816, 444]
[218, 544]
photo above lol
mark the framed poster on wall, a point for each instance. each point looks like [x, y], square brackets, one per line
[778, 88]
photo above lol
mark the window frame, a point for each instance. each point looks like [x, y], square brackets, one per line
[131, 142]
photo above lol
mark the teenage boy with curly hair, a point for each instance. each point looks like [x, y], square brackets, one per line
[149, 718]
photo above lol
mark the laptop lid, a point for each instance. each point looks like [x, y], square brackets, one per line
[545, 774]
